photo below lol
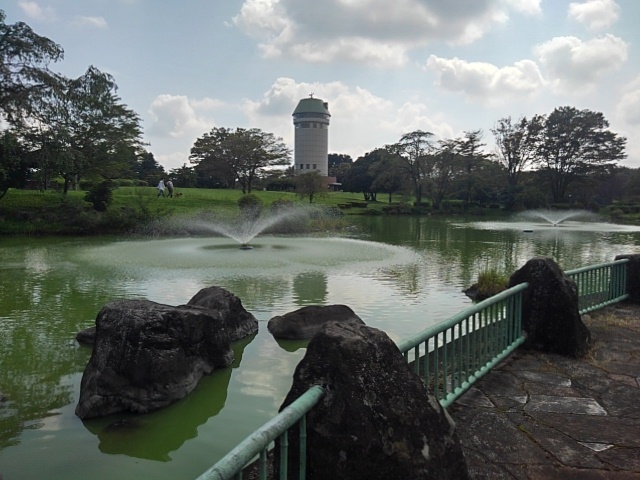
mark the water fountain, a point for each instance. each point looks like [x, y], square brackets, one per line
[244, 226]
[556, 217]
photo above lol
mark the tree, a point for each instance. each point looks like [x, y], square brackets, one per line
[387, 176]
[516, 144]
[148, 169]
[444, 164]
[259, 151]
[468, 148]
[575, 143]
[93, 133]
[337, 160]
[362, 174]
[238, 156]
[310, 185]
[184, 176]
[14, 169]
[412, 150]
[24, 74]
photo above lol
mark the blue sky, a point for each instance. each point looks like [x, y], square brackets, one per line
[386, 68]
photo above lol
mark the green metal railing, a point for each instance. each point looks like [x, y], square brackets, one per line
[451, 356]
[257, 444]
[600, 285]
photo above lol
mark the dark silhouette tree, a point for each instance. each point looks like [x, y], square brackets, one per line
[575, 143]
[25, 77]
[412, 150]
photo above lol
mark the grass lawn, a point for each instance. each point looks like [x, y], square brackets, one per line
[31, 212]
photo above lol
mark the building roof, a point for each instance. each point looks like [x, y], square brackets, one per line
[312, 105]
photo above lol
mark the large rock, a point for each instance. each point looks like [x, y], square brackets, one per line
[376, 419]
[550, 310]
[238, 322]
[633, 276]
[307, 321]
[148, 355]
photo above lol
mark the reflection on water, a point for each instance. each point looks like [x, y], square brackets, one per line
[145, 436]
[398, 274]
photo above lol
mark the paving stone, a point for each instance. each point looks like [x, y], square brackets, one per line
[571, 405]
[594, 429]
[510, 403]
[475, 398]
[545, 378]
[557, 417]
[622, 458]
[499, 440]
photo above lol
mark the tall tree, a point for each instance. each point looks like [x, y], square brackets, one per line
[14, 167]
[24, 69]
[412, 149]
[445, 164]
[148, 169]
[387, 175]
[516, 144]
[184, 176]
[261, 152]
[240, 156]
[469, 150]
[575, 143]
[93, 132]
[362, 174]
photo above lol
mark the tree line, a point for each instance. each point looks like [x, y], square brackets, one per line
[77, 129]
[567, 156]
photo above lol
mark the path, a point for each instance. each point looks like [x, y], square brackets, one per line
[544, 416]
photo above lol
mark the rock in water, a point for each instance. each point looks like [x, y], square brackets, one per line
[307, 321]
[238, 322]
[148, 355]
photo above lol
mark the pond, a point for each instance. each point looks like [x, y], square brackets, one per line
[399, 274]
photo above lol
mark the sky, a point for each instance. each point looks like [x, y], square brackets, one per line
[385, 68]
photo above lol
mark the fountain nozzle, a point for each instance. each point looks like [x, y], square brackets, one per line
[246, 246]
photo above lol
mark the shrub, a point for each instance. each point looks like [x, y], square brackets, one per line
[490, 282]
[100, 195]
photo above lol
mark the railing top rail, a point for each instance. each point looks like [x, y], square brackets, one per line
[417, 339]
[594, 267]
[251, 446]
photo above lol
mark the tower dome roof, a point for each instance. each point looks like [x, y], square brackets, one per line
[312, 105]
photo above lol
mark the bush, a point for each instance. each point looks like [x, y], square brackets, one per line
[490, 282]
[100, 195]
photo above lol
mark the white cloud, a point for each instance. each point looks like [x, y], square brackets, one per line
[34, 11]
[369, 31]
[574, 66]
[93, 22]
[485, 82]
[176, 116]
[529, 7]
[595, 14]
[628, 108]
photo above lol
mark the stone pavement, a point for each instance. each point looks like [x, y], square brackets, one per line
[544, 416]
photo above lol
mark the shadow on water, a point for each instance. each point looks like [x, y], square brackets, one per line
[145, 436]
[292, 345]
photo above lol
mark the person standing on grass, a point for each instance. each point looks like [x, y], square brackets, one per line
[170, 188]
[160, 187]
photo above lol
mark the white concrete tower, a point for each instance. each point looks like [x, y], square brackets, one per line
[311, 150]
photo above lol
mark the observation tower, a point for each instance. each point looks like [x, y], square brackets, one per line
[311, 149]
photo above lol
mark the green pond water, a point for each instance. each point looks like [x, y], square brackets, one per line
[398, 274]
